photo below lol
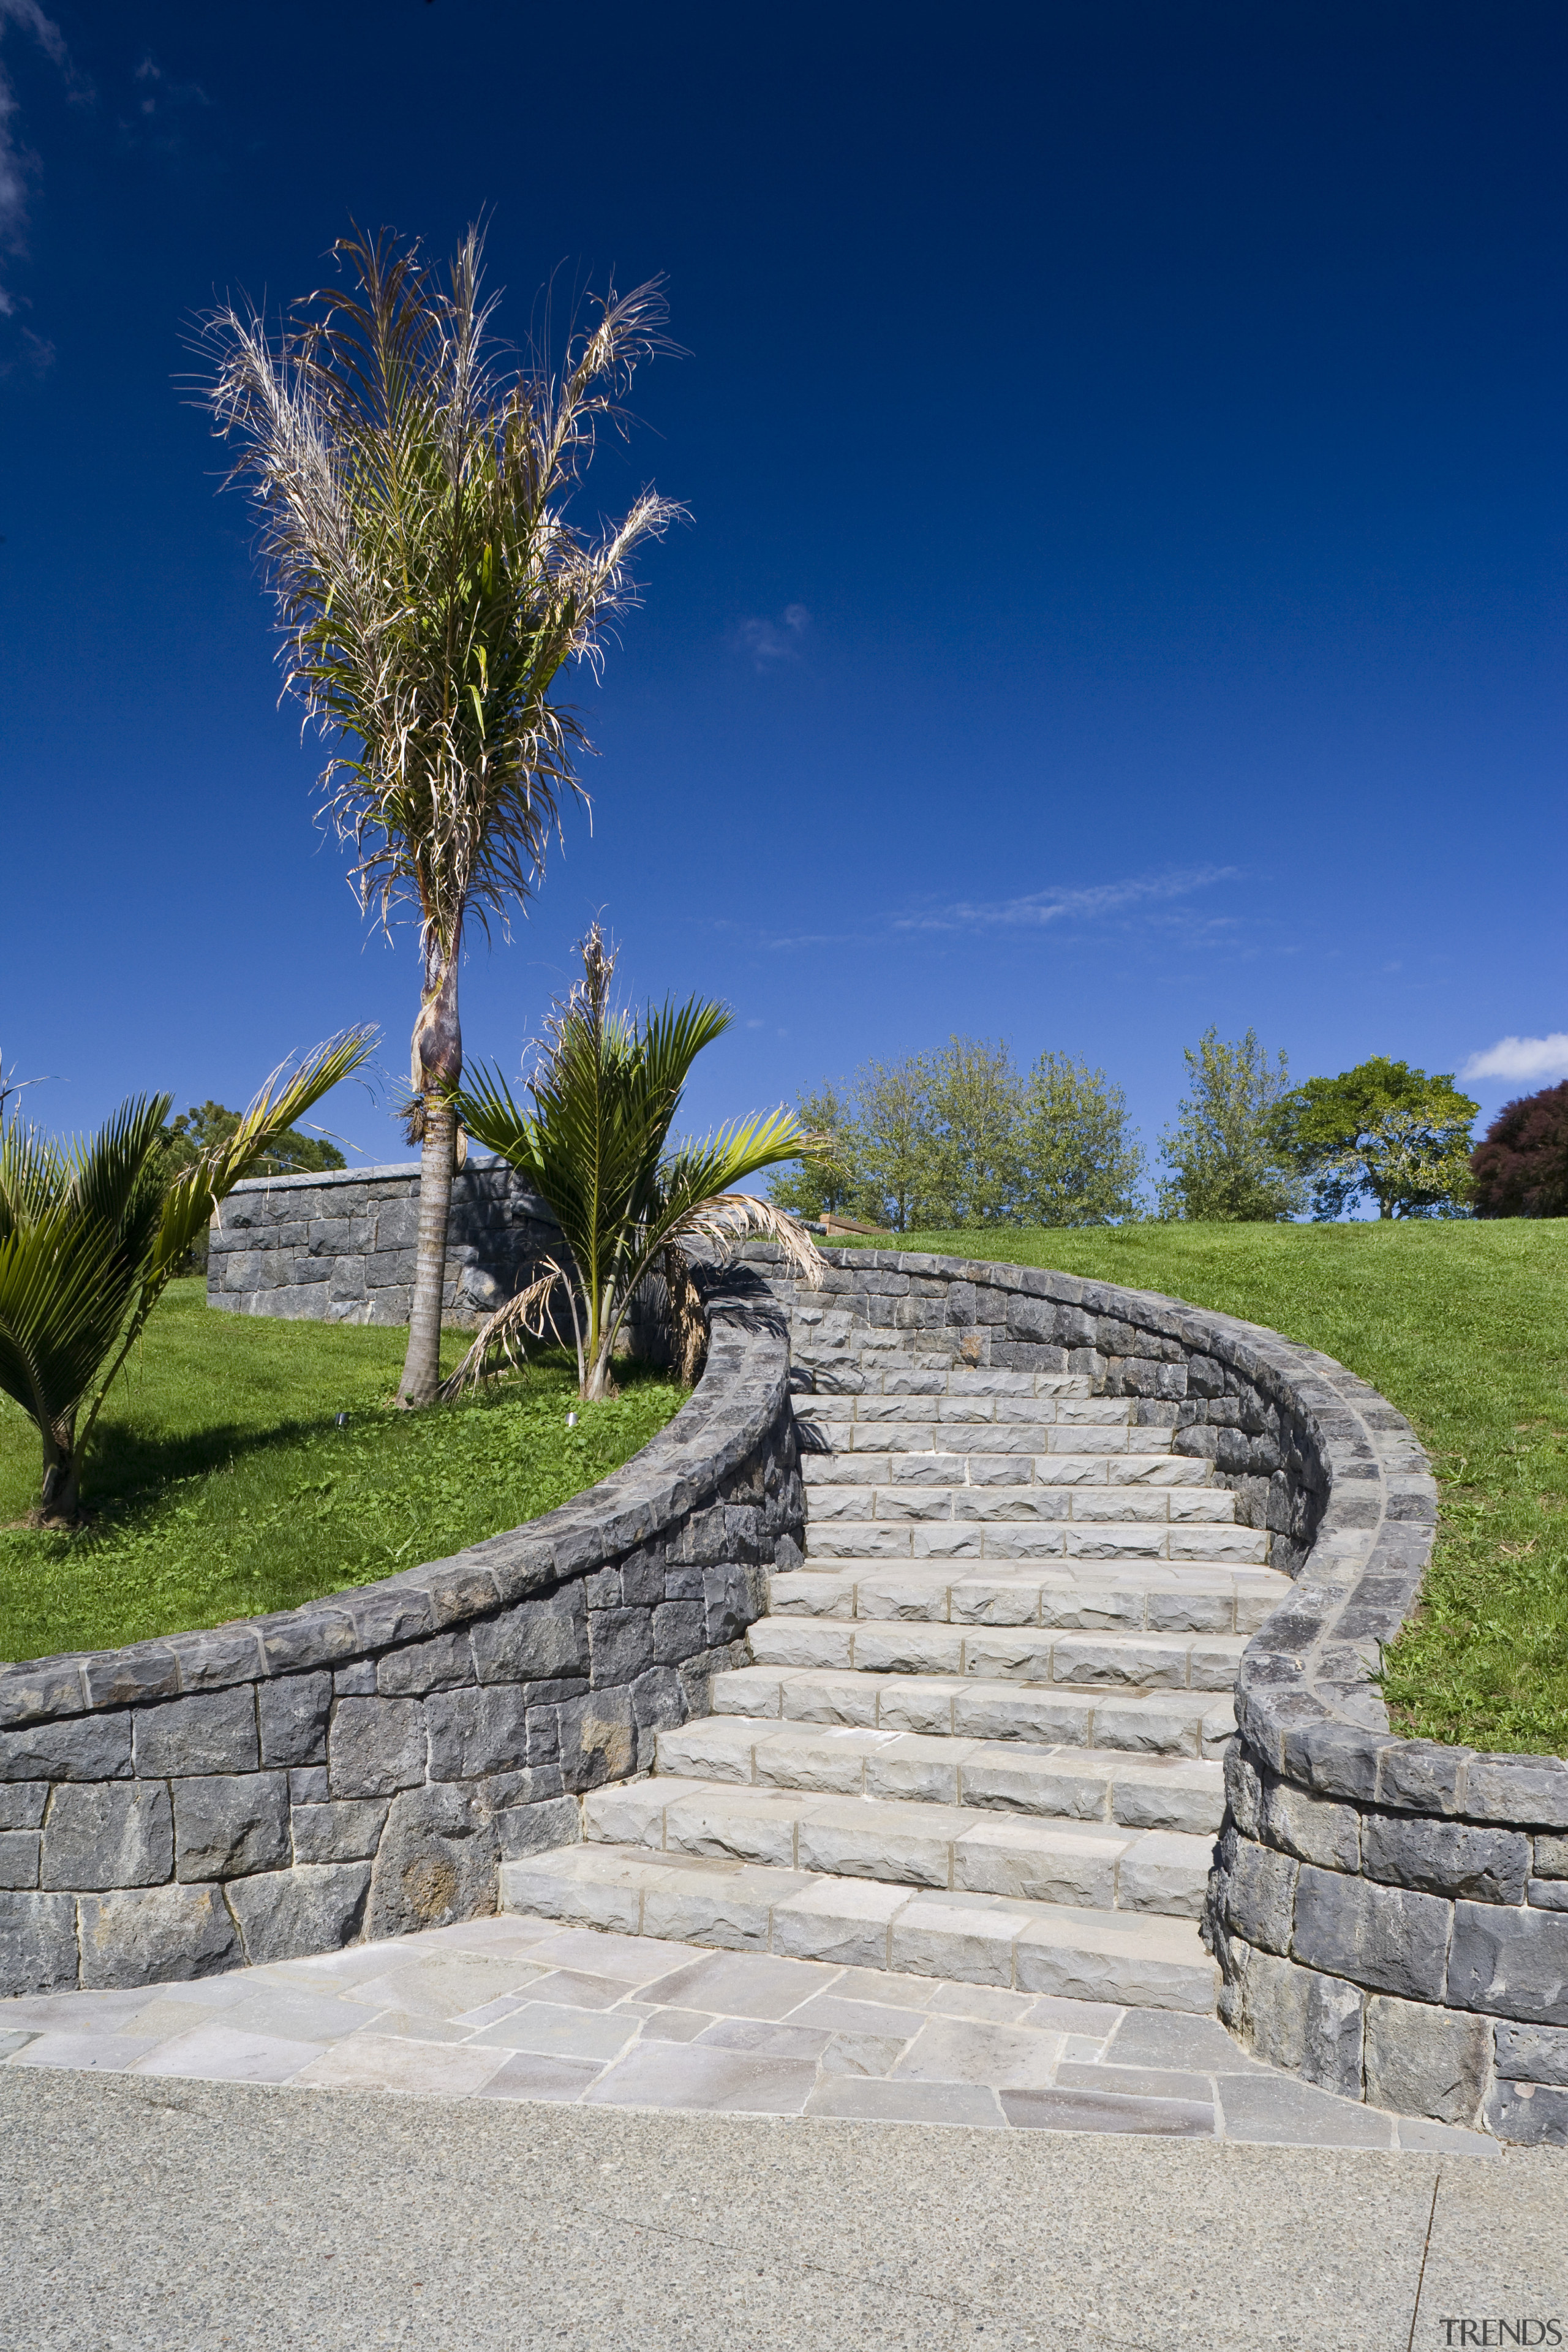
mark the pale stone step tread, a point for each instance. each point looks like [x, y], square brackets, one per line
[1161, 1792]
[1168, 1723]
[1089, 1865]
[1156, 1596]
[883, 1538]
[1133, 1959]
[1044, 1654]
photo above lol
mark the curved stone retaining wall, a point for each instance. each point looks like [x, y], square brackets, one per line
[362, 1766]
[339, 1247]
[1390, 1916]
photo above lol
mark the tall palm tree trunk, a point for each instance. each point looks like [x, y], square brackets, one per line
[437, 1066]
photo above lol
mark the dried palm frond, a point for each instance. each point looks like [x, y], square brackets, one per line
[498, 1345]
[731, 1218]
[687, 1323]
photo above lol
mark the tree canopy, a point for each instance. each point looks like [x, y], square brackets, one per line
[1520, 1167]
[1223, 1157]
[198, 1131]
[1384, 1132]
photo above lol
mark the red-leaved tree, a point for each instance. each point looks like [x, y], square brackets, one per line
[1520, 1167]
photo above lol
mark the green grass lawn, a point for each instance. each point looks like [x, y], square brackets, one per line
[1465, 1328]
[220, 1485]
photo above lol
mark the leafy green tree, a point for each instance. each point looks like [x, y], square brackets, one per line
[92, 1232]
[830, 1184]
[1223, 1157]
[594, 1140]
[895, 1130]
[205, 1125]
[1080, 1164]
[412, 493]
[972, 1100]
[1384, 1132]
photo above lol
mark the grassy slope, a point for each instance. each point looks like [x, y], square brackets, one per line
[223, 1488]
[1465, 1328]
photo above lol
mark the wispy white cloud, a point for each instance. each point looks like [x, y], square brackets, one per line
[1037, 909]
[1521, 1057]
[770, 642]
[15, 163]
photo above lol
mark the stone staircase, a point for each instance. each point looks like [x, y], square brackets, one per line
[980, 1736]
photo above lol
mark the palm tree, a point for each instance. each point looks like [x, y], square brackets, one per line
[594, 1143]
[92, 1232]
[412, 492]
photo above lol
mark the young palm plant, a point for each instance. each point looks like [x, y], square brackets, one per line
[594, 1141]
[92, 1232]
[412, 493]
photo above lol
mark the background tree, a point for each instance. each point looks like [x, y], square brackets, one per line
[290, 1153]
[972, 1105]
[1079, 1162]
[92, 1233]
[830, 1184]
[1519, 1168]
[594, 1140]
[412, 492]
[1382, 1131]
[894, 1129]
[1223, 1158]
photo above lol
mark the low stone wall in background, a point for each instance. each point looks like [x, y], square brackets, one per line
[362, 1766]
[339, 1247]
[1390, 1916]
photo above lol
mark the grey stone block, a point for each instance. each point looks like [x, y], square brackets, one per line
[349, 1831]
[1422, 2061]
[285, 1914]
[1259, 1893]
[1509, 1963]
[230, 1826]
[620, 1644]
[310, 1786]
[22, 1804]
[1532, 2053]
[376, 1745]
[680, 1631]
[19, 1858]
[731, 1604]
[1550, 1857]
[1299, 2019]
[1548, 1894]
[212, 1731]
[108, 1833]
[598, 1739]
[79, 1747]
[1312, 1828]
[293, 1713]
[1447, 1857]
[437, 1862]
[161, 1934]
[356, 1680]
[479, 1730]
[538, 1641]
[37, 1944]
[537, 1828]
[445, 1661]
[1526, 2117]
[1387, 1939]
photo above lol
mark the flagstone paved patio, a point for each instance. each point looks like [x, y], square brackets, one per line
[519, 2008]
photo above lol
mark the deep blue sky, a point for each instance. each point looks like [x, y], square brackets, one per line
[1157, 411]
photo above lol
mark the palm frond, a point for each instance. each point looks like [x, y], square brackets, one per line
[498, 1343]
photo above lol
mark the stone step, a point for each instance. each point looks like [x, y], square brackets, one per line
[890, 1371]
[910, 1493]
[1134, 1959]
[850, 1467]
[930, 1531]
[1034, 1436]
[1085, 1784]
[897, 1413]
[1158, 1596]
[1090, 1866]
[1165, 1723]
[1028, 1654]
